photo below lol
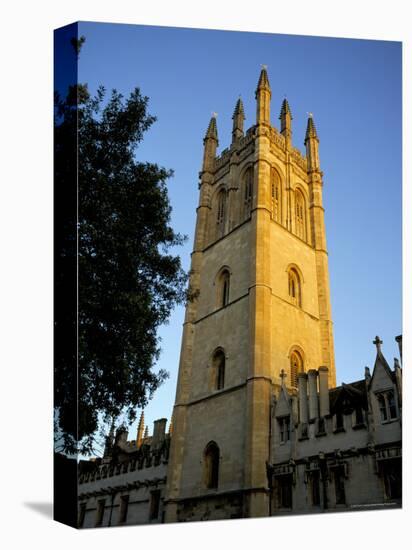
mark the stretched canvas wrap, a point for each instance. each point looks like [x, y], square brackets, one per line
[227, 247]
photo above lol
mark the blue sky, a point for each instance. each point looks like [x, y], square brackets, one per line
[353, 89]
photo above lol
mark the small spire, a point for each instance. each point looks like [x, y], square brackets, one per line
[263, 83]
[378, 342]
[238, 119]
[140, 430]
[285, 109]
[146, 432]
[239, 110]
[211, 132]
[283, 375]
[310, 129]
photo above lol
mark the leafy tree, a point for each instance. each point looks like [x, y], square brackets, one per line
[128, 278]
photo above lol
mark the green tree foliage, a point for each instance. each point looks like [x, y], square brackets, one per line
[128, 278]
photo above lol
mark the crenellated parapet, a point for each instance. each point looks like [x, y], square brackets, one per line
[143, 458]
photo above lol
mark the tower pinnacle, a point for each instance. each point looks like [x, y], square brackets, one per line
[238, 119]
[210, 143]
[263, 95]
[311, 129]
[211, 132]
[140, 430]
[312, 145]
[263, 83]
[286, 121]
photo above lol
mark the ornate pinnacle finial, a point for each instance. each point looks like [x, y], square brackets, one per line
[146, 432]
[378, 342]
[211, 132]
[263, 79]
[239, 110]
[285, 109]
[140, 429]
[283, 375]
[310, 129]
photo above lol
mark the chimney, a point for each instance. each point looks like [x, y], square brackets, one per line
[159, 429]
[398, 378]
[313, 394]
[303, 397]
[399, 340]
[323, 391]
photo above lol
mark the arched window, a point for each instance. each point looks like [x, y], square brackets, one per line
[300, 215]
[221, 213]
[295, 290]
[296, 366]
[211, 465]
[275, 196]
[218, 366]
[224, 288]
[248, 193]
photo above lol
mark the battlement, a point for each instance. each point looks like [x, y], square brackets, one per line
[122, 456]
[118, 464]
[277, 138]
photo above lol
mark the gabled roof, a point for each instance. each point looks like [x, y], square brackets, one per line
[348, 395]
[381, 363]
[283, 406]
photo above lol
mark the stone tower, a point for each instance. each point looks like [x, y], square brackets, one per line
[260, 273]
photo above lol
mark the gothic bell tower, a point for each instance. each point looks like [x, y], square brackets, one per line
[260, 274]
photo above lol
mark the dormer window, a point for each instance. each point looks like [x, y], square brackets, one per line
[359, 415]
[284, 428]
[339, 423]
[387, 405]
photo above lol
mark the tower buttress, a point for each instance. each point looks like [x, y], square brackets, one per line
[238, 120]
[316, 212]
[263, 95]
[186, 355]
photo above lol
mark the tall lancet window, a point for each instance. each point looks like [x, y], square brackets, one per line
[296, 366]
[224, 287]
[211, 465]
[248, 193]
[218, 362]
[275, 196]
[300, 215]
[295, 289]
[221, 213]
